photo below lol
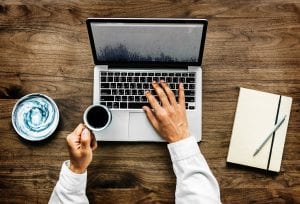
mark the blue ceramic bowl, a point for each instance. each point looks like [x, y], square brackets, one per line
[35, 117]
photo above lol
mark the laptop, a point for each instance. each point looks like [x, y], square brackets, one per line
[129, 53]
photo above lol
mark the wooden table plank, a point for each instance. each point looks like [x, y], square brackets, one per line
[44, 47]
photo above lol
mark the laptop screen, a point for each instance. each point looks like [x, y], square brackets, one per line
[161, 42]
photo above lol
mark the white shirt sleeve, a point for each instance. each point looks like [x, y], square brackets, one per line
[70, 187]
[195, 182]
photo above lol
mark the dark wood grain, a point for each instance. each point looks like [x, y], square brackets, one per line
[44, 48]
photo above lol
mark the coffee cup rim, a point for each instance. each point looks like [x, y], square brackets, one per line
[93, 128]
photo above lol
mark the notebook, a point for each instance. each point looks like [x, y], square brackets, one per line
[256, 114]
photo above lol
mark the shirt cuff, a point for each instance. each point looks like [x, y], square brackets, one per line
[183, 149]
[71, 181]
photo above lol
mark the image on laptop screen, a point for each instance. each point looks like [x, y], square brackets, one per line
[146, 42]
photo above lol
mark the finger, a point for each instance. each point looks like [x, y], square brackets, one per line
[169, 92]
[73, 139]
[161, 94]
[78, 129]
[94, 144]
[151, 117]
[181, 98]
[153, 102]
[85, 139]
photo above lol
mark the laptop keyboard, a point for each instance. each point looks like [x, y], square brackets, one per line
[126, 90]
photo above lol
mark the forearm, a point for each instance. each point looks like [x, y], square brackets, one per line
[195, 181]
[70, 187]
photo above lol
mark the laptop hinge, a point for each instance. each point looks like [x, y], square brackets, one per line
[148, 67]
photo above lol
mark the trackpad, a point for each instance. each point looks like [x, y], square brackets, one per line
[140, 128]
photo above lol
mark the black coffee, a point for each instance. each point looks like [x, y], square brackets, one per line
[97, 117]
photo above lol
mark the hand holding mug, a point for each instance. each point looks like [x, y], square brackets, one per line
[81, 144]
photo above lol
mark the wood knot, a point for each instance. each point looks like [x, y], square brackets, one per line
[3, 9]
[12, 92]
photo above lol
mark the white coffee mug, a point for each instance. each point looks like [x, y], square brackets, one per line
[97, 117]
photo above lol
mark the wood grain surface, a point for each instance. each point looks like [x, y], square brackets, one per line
[44, 48]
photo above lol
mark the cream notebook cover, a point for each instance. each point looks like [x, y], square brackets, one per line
[256, 114]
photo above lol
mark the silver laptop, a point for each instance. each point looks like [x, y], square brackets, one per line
[129, 53]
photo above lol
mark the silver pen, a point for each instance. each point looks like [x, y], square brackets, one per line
[269, 135]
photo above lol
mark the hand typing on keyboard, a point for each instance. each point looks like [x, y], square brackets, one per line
[168, 119]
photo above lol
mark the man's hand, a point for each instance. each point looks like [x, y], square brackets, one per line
[169, 120]
[81, 143]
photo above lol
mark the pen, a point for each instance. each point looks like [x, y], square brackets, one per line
[269, 135]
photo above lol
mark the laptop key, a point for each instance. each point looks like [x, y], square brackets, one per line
[105, 92]
[123, 105]
[116, 105]
[190, 99]
[189, 92]
[119, 85]
[137, 105]
[104, 85]
[116, 79]
[127, 92]
[132, 86]
[137, 98]
[117, 98]
[141, 92]
[109, 104]
[134, 92]
[114, 91]
[130, 98]
[143, 79]
[145, 86]
[182, 80]
[190, 80]
[191, 107]
[144, 98]
[106, 98]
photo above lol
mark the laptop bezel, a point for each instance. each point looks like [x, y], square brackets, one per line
[89, 21]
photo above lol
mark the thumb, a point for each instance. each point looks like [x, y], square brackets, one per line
[85, 138]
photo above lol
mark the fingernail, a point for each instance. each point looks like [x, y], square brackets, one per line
[154, 82]
[85, 133]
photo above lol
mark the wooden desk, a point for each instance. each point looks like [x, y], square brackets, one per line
[44, 48]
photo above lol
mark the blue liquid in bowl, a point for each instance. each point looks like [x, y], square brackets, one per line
[35, 117]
